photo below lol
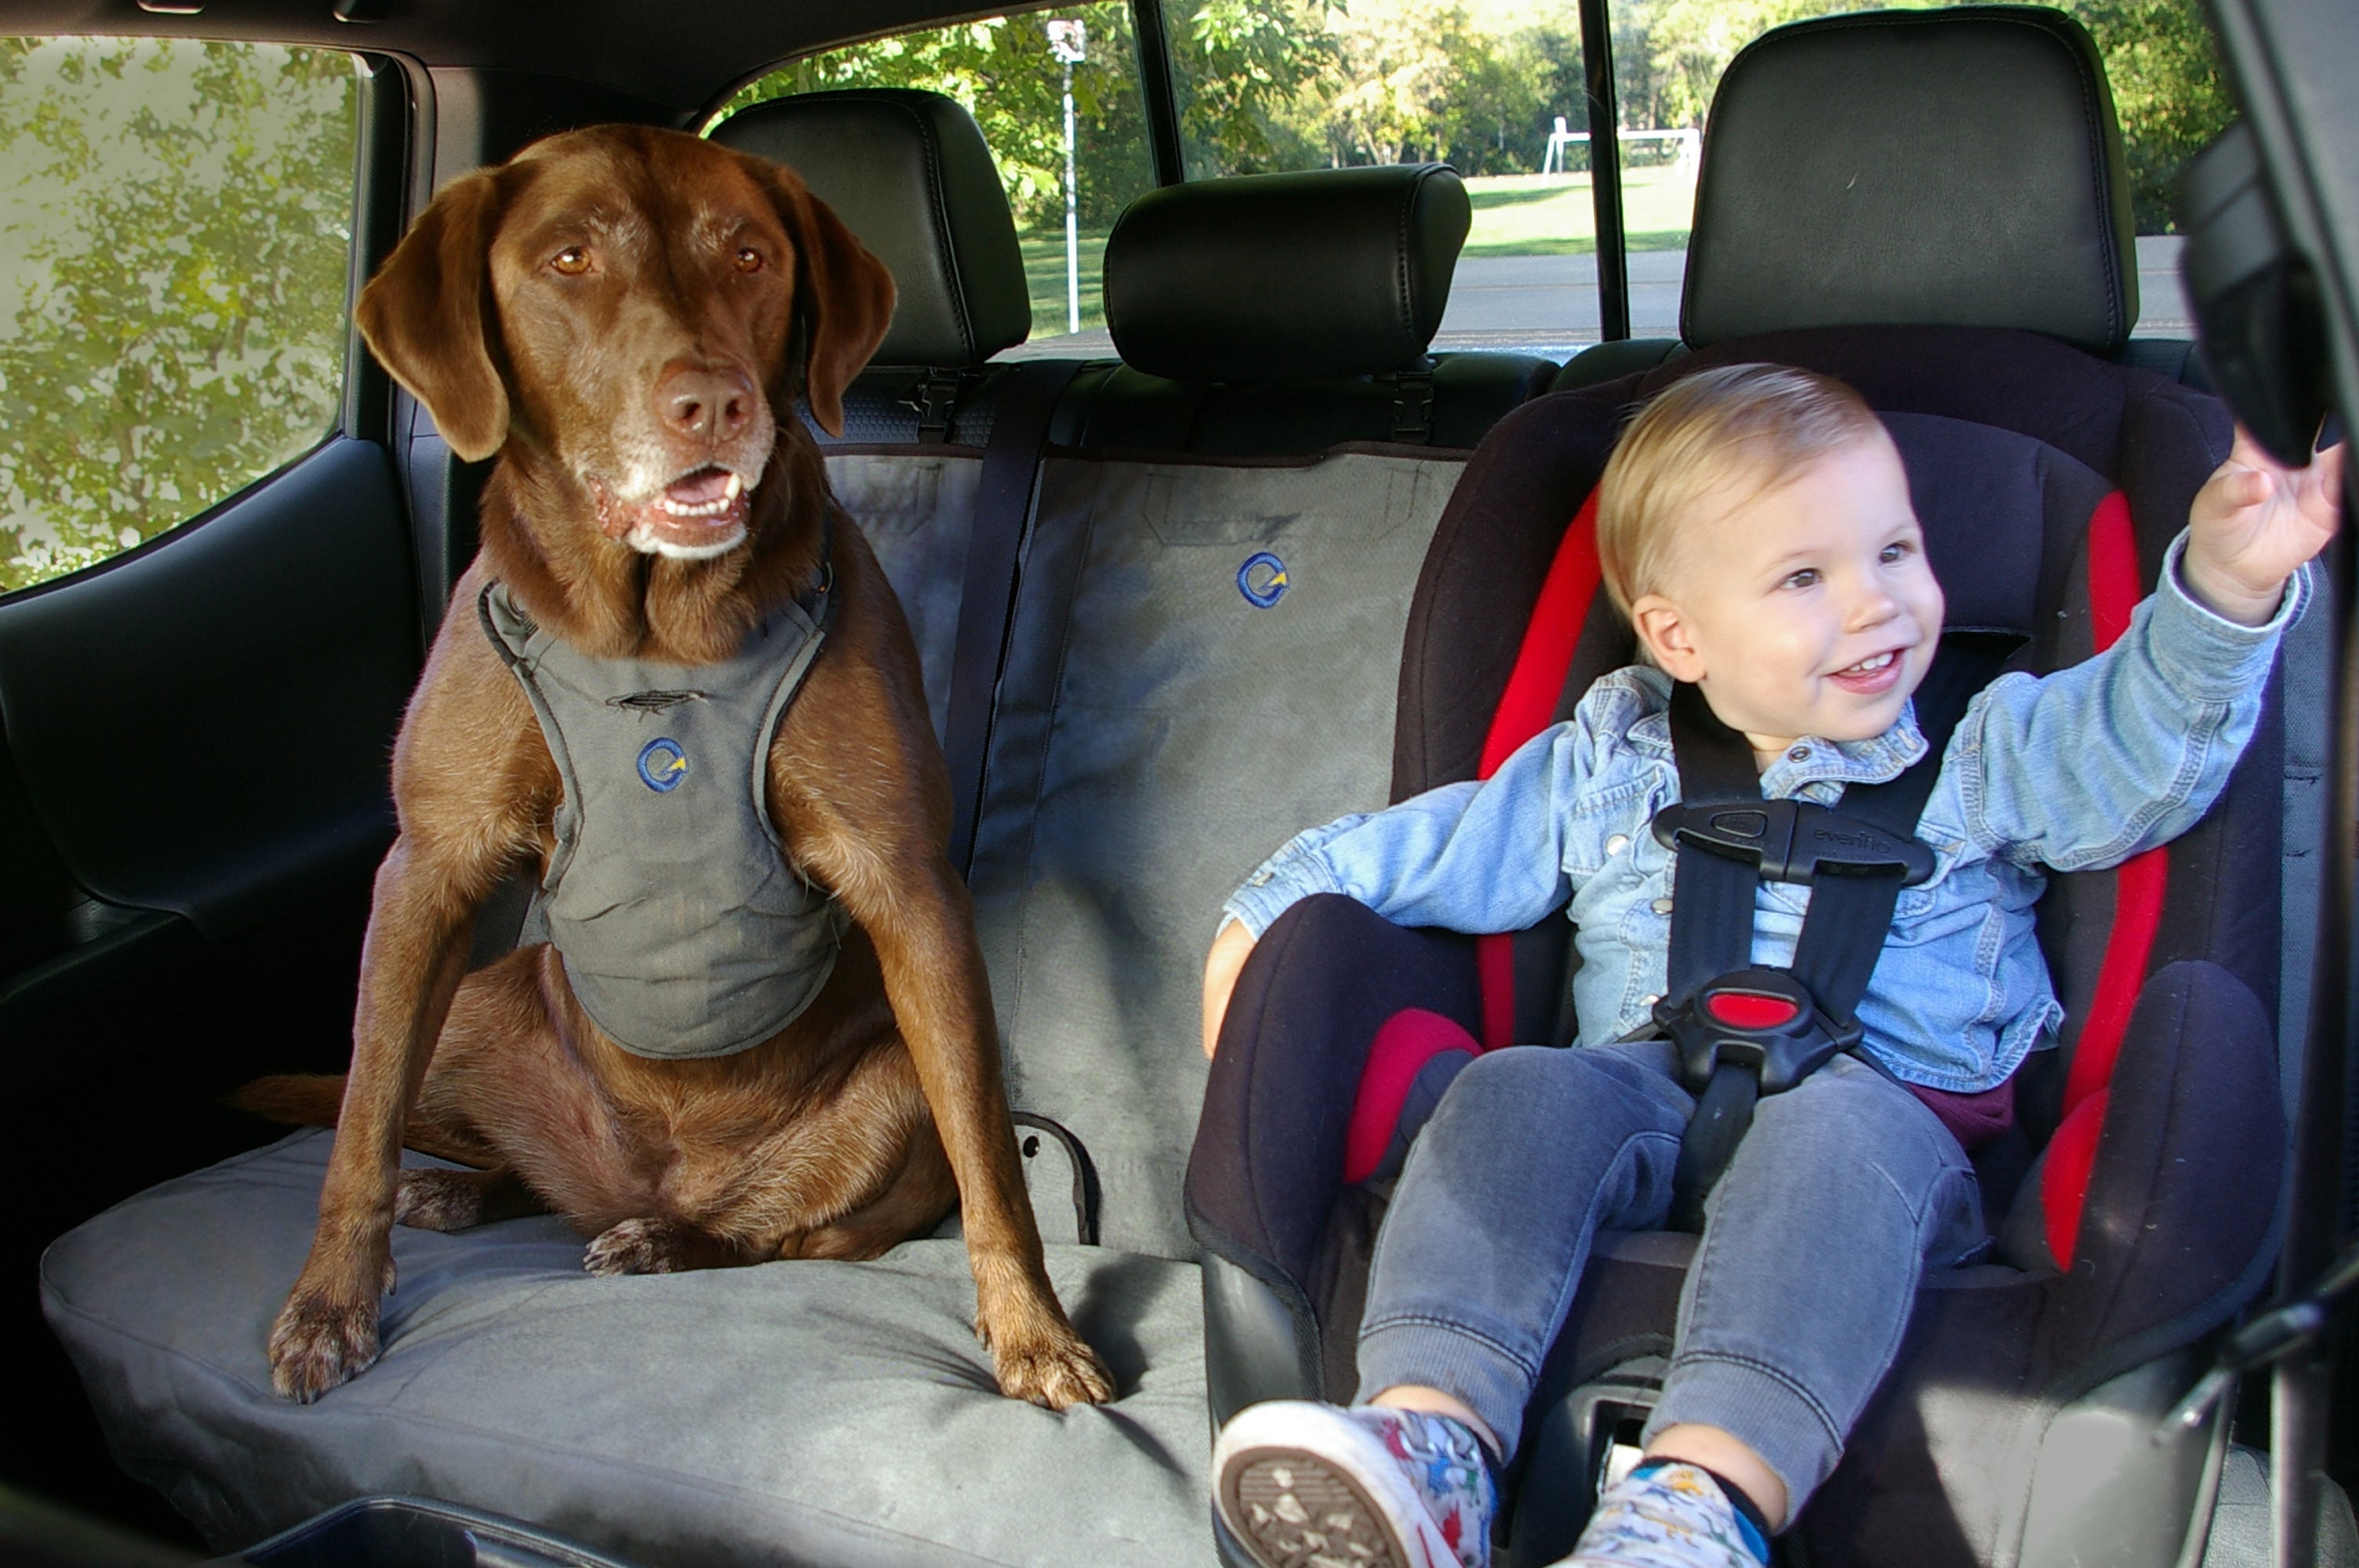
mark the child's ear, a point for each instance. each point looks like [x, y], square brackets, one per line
[1664, 633]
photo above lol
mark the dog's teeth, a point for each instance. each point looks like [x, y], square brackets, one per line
[737, 489]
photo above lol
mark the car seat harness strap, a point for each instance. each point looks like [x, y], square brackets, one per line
[1743, 1030]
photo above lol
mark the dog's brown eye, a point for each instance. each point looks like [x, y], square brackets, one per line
[572, 260]
[748, 259]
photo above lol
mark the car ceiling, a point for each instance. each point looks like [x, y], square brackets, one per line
[679, 56]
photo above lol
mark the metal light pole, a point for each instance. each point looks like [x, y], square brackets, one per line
[1069, 41]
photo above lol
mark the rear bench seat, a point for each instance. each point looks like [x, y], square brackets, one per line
[1154, 729]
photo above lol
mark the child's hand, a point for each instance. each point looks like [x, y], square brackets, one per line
[1228, 956]
[2254, 522]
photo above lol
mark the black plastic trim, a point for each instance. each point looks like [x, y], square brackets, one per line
[1605, 171]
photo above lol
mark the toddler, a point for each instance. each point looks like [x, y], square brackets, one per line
[1755, 527]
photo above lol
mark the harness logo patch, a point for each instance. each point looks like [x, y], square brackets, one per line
[662, 765]
[1261, 580]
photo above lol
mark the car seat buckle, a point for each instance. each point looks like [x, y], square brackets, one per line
[1764, 1021]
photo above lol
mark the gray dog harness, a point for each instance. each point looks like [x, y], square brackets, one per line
[683, 929]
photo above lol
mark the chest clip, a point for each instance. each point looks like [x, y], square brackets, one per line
[1791, 840]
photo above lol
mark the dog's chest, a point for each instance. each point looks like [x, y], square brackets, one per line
[684, 930]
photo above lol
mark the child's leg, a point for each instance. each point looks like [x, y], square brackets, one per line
[1529, 1153]
[1842, 1192]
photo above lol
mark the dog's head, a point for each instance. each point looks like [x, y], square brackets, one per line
[636, 306]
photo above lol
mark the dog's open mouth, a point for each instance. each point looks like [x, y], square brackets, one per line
[703, 513]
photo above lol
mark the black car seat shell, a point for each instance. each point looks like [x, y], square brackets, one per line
[1153, 694]
[2051, 479]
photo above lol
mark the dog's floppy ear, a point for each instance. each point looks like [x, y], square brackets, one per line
[424, 315]
[846, 294]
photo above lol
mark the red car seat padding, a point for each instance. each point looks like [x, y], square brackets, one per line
[2139, 883]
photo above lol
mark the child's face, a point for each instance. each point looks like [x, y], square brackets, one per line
[1806, 609]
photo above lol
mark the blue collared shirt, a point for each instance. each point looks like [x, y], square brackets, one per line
[2074, 771]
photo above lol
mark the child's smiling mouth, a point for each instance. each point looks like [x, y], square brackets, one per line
[1872, 676]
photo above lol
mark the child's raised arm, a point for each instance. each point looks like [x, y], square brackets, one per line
[2254, 524]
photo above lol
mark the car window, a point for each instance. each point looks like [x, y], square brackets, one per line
[1265, 85]
[1496, 89]
[175, 236]
[1668, 60]
[1012, 73]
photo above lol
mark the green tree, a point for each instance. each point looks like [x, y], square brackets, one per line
[1000, 69]
[2164, 66]
[1242, 66]
[175, 230]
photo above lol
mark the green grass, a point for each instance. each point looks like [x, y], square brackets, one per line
[1536, 215]
[1044, 275]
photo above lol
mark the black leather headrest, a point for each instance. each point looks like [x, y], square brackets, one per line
[1940, 168]
[909, 172]
[1285, 276]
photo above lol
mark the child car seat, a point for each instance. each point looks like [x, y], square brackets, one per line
[2140, 1186]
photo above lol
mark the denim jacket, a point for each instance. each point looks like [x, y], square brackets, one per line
[2078, 770]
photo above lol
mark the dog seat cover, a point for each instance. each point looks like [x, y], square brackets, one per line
[684, 931]
[796, 1412]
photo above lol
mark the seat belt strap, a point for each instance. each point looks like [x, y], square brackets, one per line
[1011, 466]
[1850, 907]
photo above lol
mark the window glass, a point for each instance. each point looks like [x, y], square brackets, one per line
[175, 227]
[1268, 85]
[1668, 56]
[1009, 74]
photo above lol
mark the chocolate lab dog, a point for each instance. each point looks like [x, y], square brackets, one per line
[763, 1029]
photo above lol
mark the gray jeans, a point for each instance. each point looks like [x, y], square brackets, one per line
[1843, 1192]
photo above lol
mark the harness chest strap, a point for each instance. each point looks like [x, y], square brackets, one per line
[684, 929]
[1744, 1032]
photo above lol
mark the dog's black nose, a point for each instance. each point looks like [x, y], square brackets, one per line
[706, 405]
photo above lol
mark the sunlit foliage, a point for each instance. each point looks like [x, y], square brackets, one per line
[175, 224]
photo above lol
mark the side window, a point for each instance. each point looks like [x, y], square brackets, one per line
[1268, 85]
[1011, 73]
[175, 225]
[1668, 56]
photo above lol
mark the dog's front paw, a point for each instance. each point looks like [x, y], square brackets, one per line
[317, 1346]
[1046, 1363]
[1054, 1375]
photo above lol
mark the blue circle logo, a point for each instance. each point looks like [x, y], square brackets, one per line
[662, 765]
[1261, 580]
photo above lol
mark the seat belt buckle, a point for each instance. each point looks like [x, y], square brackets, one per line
[1762, 1018]
[1792, 840]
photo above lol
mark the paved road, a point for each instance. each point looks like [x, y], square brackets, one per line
[1551, 301]
[1549, 304]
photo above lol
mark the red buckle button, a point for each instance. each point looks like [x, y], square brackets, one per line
[1750, 1010]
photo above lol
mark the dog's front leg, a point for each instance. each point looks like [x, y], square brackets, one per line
[419, 928]
[921, 920]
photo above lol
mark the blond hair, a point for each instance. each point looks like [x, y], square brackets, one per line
[1710, 432]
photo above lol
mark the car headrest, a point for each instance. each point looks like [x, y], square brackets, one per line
[909, 172]
[1944, 169]
[1285, 276]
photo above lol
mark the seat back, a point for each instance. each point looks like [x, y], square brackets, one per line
[1233, 512]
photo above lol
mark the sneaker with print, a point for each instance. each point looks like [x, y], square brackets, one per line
[1665, 1514]
[1301, 1484]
